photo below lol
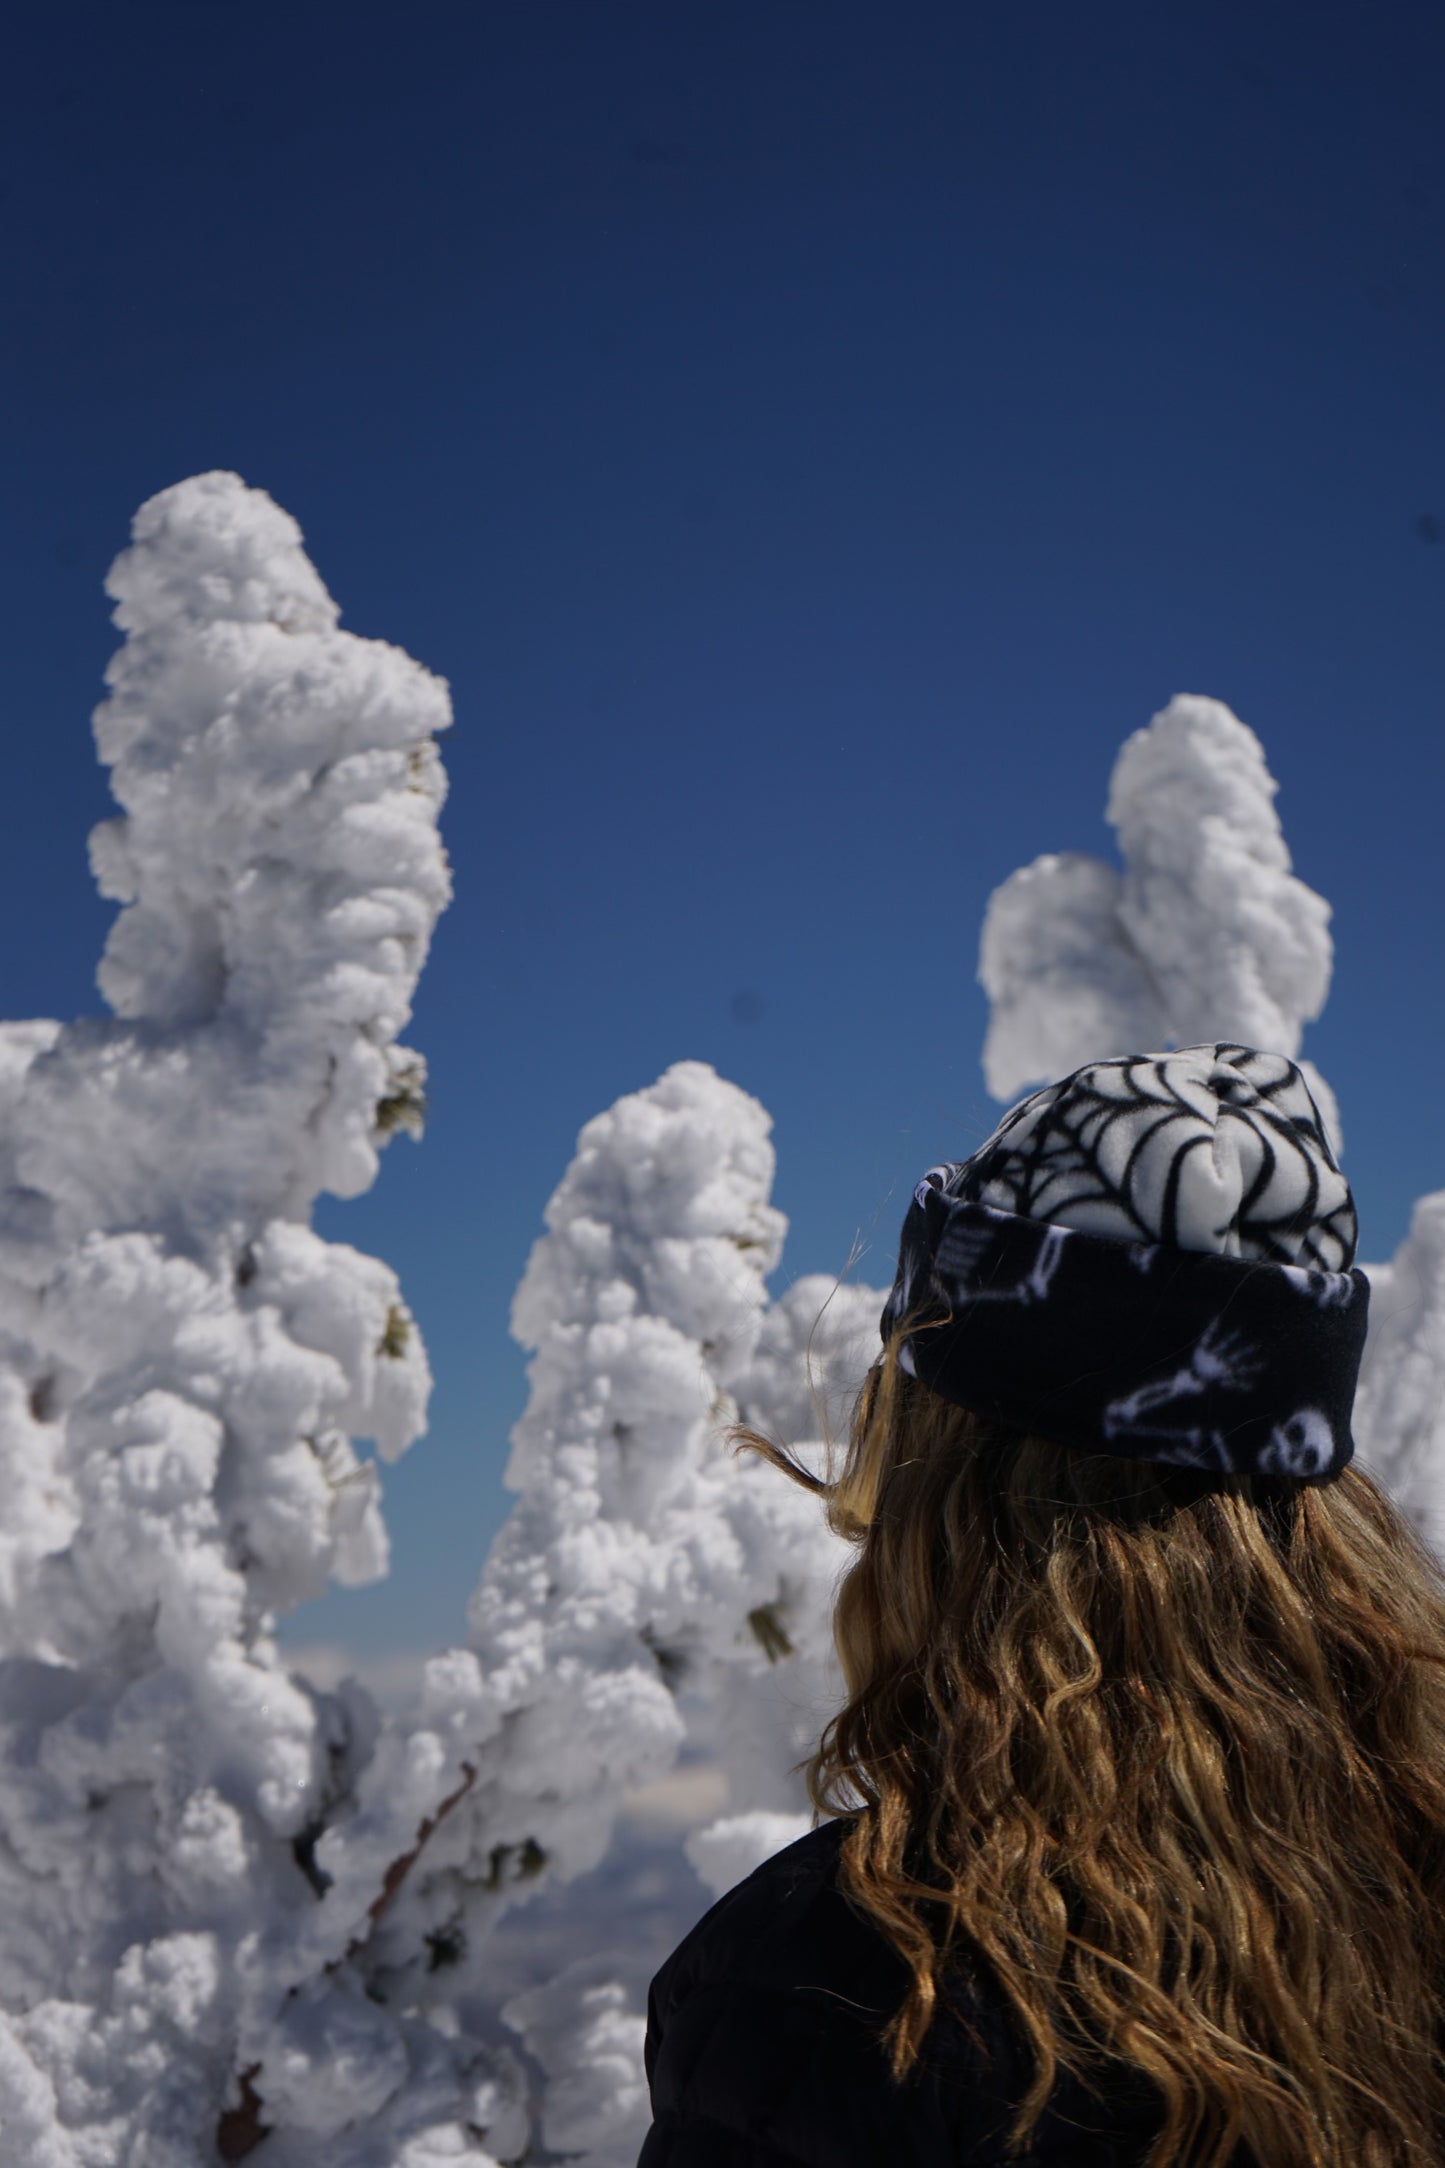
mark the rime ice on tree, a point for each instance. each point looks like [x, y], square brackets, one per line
[183, 1362]
[1207, 934]
[644, 1578]
[274, 1911]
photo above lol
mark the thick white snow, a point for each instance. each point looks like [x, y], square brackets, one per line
[813, 1351]
[1206, 934]
[581, 2031]
[729, 1849]
[648, 1588]
[184, 1364]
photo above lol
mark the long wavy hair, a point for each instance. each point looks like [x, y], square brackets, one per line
[1167, 1752]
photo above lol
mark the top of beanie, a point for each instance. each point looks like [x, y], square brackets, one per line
[1217, 1148]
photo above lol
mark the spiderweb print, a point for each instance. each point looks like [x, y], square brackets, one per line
[1207, 1148]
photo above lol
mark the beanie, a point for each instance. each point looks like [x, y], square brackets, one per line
[1151, 1258]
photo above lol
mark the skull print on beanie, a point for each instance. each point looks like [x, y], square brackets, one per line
[1151, 1258]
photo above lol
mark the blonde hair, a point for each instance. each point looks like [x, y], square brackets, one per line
[1167, 1752]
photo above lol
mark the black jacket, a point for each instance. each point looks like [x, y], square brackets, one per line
[762, 2049]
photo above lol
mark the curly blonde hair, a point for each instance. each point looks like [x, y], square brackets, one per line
[1167, 1752]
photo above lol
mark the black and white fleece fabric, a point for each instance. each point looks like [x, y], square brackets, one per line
[1151, 1258]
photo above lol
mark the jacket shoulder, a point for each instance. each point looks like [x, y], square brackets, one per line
[753, 1931]
[764, 2046]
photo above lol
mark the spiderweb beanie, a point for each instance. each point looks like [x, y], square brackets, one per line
[1151, 1258]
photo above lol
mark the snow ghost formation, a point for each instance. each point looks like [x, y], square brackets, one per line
[645, 1580]
[183, 1362]
[1206, 934]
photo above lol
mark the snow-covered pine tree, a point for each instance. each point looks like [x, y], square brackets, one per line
[646, 1581]
[1206, 933]
[183, 1362]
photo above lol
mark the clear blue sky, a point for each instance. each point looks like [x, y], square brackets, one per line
[809, 436]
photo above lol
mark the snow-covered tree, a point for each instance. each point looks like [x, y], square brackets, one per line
[1205, 934]
[184, 1364]
[645, 1582]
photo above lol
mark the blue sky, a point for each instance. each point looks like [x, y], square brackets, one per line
[809, 437]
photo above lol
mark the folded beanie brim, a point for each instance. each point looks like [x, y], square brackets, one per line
[1131, 1348]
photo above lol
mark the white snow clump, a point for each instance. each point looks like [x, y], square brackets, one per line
[729, 1849]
